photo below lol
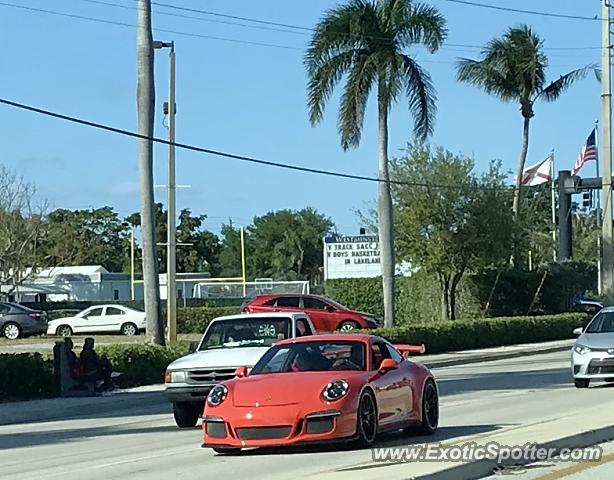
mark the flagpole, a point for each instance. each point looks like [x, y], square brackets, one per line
[598, 214]
[553, 208]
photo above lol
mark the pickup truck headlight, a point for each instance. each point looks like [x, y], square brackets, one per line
[217, 395]
[581, 349]
[174, 376]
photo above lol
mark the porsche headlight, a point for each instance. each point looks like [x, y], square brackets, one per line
[174, 376]
[217, 395]
[581, 349]
[335, 390]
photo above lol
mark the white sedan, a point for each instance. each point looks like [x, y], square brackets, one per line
[100, 319]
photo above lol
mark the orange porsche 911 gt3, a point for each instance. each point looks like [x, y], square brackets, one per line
[339, 387]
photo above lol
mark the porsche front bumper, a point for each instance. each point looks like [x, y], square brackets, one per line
[276, 426]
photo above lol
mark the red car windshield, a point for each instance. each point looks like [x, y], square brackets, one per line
[314, 356]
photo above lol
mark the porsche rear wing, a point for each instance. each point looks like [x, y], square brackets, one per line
[407, 349]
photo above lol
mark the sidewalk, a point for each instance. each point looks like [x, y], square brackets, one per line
[580, 429]
[490, 354]
[54, 409]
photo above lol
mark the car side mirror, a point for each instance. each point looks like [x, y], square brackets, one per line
[330, 309]
[193, 347]
[578, 331]
[388, 364]
[241, 372]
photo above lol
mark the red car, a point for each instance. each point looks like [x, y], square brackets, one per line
[335, 387]
[325, 314]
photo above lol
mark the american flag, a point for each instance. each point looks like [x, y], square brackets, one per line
[589, 152]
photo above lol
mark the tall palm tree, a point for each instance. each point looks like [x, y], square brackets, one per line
[145, 114]
[366, 41]
[513, 68]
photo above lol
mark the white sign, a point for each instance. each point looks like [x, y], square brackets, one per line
[351, 256]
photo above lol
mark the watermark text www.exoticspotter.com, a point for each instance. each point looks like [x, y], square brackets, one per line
[471, 452]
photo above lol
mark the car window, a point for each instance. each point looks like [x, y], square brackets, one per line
[378, 353]
[95, 312]
[302, 327]
[270, 303]
[251, 332]
[394, 353]
[291, 302]
[4, 309]
[114, 311]
[602, 323]
[314, 303]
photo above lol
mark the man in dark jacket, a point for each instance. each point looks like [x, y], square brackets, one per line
[98, 368]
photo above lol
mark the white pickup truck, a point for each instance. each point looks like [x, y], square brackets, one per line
[228, 343]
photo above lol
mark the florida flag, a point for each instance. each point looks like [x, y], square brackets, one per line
[539, 173]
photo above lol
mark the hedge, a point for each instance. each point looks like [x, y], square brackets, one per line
[456, 335]
[26, 375]
[489, 293]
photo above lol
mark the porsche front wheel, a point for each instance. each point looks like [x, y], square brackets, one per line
[430, 409]
[366, 427]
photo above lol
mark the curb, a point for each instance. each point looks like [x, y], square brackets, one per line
[485, 468]
[486, 357]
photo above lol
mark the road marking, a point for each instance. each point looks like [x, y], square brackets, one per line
[579, 467]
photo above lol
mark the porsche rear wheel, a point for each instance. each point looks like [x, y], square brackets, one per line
[430, 409]
[366, 427]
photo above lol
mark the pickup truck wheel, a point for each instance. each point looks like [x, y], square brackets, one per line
[226, 450]
[186, 414]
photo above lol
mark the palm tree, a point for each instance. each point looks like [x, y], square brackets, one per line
[366, 40]
[145, 113]
[513, 68]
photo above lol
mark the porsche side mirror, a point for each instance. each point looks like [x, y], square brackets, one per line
[388, 364]
[578, 331]
[241, 372]
[193, 346]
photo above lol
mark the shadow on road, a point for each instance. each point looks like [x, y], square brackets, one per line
[394, 439]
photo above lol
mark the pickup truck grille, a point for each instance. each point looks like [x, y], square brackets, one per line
[210, 375]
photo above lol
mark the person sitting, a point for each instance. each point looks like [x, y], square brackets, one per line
[95, 367]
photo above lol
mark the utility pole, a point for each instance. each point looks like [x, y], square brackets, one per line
[170, 109]
[607, 264]
[132, 262]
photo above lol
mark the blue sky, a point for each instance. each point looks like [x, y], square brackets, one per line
[250, 100]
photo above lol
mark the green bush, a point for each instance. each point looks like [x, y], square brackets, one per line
[457, 335]
[508, 293]
[142, 364]
[26, 376]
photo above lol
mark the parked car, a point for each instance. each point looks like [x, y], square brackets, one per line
[100, 319]
[326, 314]
[322, 388]
[228, 342]
[18, 321]
[592, 355]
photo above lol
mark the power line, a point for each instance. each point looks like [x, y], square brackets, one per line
[218, 153]
[130, 25]
[518, 10]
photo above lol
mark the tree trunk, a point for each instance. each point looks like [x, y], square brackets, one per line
[521, 163]
[145, 114]
[452, 296]
[386, 233]
[444, 282]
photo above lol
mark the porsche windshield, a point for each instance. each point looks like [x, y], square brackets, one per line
[312, 357]
[256, 332]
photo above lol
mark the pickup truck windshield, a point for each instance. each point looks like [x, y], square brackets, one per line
[257, 332]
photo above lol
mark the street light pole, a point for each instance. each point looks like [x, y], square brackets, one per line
[170, 109]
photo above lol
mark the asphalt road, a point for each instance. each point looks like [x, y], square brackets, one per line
[141, 442]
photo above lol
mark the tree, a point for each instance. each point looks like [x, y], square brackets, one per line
[201, 252]
[87, 237]
[513, 68]
[22, 227]
[145, 114]
[366, 41]
[459, 223]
